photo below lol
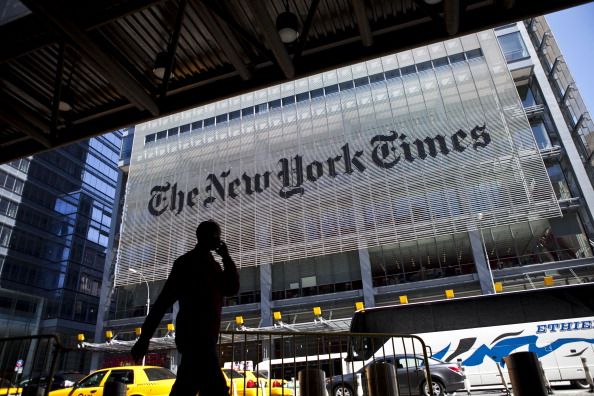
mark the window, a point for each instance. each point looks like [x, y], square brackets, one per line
[424, 66]
[408, 70]
[184, 128]
[123, 376]
[376, 77]
[361, 81]
[541, 136]
[331, 89]
[289, 100]
[456, 58]
[92, 380]
[526, 95]
[346, 85]
[248, 111]
[558, 181]
[222, 118]
[440, 62]
[157, 374]
[513, 47]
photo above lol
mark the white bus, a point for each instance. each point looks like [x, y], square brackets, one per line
[556, 323]
[287, 368]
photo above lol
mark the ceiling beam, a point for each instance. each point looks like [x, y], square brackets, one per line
[13, 115]
[119, 78]
[362, 22]
[272, 38]
[212, 22]
[172, 46]
[305, 31]
[28, 35]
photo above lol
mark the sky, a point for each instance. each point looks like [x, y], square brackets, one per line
[573, 29]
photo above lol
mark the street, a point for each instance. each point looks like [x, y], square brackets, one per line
[560, 390]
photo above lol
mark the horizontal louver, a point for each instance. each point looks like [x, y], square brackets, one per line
[436, 152]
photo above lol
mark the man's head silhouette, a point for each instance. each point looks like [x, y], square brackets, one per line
[208, 234]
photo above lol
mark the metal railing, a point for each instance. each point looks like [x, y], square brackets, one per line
[289, 362]
[318, 363]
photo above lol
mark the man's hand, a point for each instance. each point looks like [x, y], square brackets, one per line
[222, 250]
[139, 350]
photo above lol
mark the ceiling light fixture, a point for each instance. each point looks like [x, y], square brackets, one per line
[160, 65]
[432, 2]
[287, 26]
[66, 99]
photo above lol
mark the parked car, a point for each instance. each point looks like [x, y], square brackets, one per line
[60, 381]
[272, 386]
[139, 380]
[410, 377]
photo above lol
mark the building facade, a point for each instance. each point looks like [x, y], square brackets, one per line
[56, 214]
[464, 165]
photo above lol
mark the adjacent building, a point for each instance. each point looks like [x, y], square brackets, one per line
[464, 165]
[57, 211]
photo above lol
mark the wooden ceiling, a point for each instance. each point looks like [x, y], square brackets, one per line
[99, 55]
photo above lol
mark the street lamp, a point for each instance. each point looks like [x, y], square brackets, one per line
[148, 297]
[148, 291]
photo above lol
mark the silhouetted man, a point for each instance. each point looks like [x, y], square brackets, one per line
[199, 283]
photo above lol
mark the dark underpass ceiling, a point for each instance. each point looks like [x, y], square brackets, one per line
[98, 56]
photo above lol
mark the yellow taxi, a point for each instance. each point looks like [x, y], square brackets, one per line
[7, 388]
[240, 385]
[275, 387]
[139, 380]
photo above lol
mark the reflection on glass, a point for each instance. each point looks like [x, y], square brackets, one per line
[513, 47]
[558, 181]
[541, 136]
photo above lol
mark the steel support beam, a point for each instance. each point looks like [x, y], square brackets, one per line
[119, 78]
[272, 38]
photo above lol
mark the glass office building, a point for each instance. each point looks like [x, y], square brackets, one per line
[56, 214]
[460, 165]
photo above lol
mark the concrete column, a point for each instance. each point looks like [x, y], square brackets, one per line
[481, 262]
[265, 295]
[365, 266]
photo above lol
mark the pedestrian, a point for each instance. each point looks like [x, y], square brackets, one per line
[198, 283]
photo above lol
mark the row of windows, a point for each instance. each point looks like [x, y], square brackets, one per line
[8, 207]
[102, 167]
[21, 164]
[111, 153]
[11, 183]
[310, 95]
[98, 184]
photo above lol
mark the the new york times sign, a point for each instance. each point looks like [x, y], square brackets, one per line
[384, 151]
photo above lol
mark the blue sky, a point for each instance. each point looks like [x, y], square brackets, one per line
[573, 29]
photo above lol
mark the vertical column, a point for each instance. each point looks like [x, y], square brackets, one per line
[481, 263]
[365, 266]
[265, 295]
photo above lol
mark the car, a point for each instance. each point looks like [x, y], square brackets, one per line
[445, 377]
[240, 385]
[60, 381]
[272, 386]
[139, 380]
[7, 388]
